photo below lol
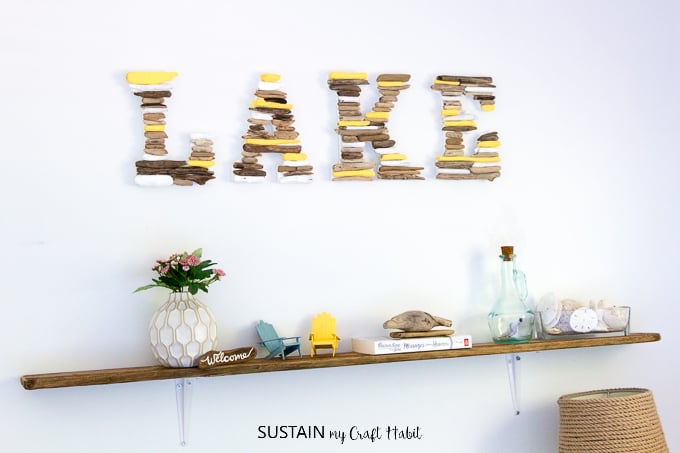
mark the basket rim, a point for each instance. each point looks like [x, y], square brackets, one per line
[605, 394]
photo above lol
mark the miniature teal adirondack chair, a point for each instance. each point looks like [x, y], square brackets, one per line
[277, 345]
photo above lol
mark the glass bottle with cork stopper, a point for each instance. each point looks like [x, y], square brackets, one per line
[510, 321]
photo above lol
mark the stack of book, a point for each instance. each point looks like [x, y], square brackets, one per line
[388, 345]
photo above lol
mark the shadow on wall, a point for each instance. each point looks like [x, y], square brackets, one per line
[535, 429]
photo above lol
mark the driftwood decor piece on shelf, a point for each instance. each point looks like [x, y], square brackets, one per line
[455, 163]
[215, 359]
[416, 323]
[425, 334]
[155, 169]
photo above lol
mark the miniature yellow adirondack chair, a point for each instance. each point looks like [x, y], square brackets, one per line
[323, 333]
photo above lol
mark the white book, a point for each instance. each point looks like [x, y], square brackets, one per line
[388, 345]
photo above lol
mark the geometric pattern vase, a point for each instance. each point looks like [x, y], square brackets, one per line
[182, 330]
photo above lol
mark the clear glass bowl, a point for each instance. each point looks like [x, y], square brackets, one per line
[559, 322]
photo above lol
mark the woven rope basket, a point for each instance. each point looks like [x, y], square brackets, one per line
[610, 421]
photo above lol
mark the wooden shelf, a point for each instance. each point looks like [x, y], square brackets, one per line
[150, 373]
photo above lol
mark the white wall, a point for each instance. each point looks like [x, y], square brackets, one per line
[586, 110]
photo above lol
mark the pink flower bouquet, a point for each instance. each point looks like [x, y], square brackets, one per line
[184, 272]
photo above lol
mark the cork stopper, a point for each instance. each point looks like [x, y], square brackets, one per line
[507, 251]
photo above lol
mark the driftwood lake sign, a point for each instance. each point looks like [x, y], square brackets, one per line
[214, 359]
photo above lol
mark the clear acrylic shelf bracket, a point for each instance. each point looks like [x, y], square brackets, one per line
[512, 362]
[183, 391]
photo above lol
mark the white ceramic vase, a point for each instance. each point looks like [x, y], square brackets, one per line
[181, 330]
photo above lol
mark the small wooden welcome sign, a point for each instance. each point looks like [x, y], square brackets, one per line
[214, 359]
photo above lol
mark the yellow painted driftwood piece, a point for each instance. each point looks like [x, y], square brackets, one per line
[260, 102]
[378, 115]
[390, 83]
[488, 143]
[150, 78]
[447, 82]
[460, 123]
[269, 77]
[294, 156]
[271, 141]
[323, 333]
[353, 123]
[348, 173]
[467, 159]
[201, 163]
[154, 127]
[392, 156]
[348, 76]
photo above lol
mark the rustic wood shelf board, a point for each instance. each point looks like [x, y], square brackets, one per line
[150, 373]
